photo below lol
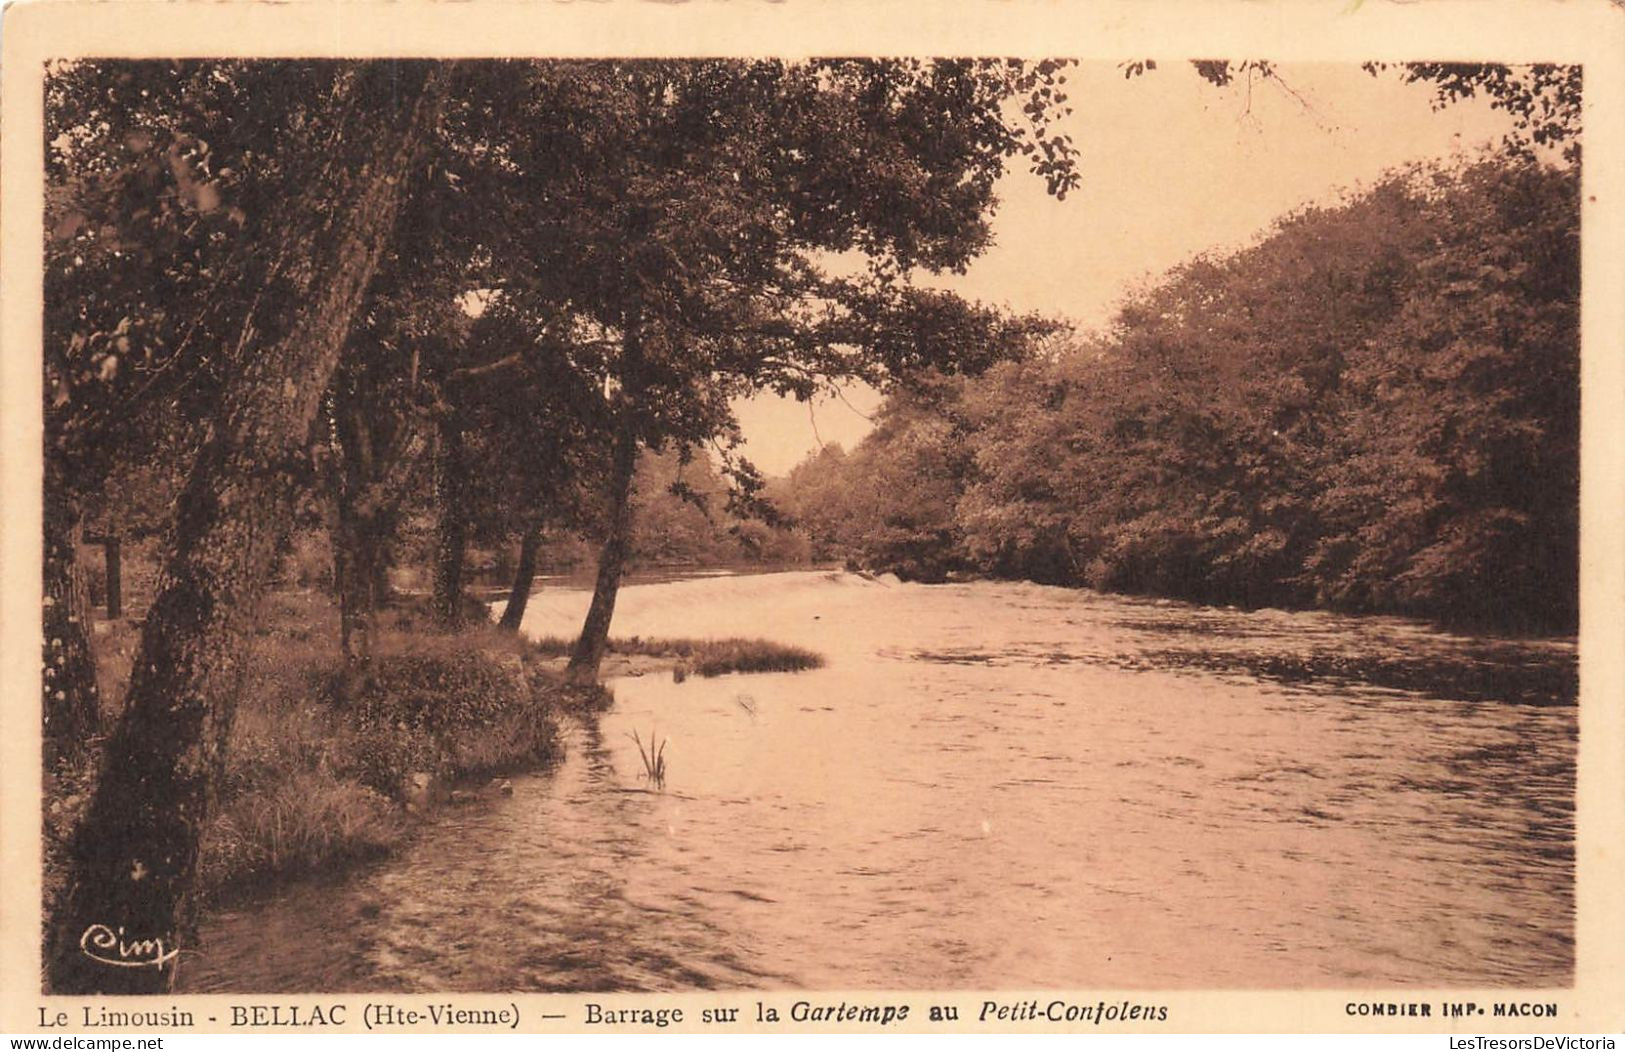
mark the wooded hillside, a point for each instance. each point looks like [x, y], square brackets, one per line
[1374, 408]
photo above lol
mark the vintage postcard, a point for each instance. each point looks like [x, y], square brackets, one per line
[813, 516]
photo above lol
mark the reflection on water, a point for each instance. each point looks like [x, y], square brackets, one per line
[990, 786]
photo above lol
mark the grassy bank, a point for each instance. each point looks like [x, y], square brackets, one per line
[700, 657]
[314, 778]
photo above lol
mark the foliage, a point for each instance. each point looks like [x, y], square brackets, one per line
[1543, 99]
[679, 512]
[1374, 408]
[1457, 491]
[889, 504]
[667, 223]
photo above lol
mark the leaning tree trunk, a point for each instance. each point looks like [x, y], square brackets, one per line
[588, 654]
[451, 540]
[524, 577]
[71, 706]
[594, 639]
[123, 918]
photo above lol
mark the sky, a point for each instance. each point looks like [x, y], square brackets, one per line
[1172, 166]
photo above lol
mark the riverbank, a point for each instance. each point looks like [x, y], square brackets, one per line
[315, 780]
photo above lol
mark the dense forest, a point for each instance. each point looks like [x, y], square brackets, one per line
[1373, 408]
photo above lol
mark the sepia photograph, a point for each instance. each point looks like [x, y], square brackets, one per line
[871, 520]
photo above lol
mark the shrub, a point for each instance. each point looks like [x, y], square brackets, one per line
[311, 783]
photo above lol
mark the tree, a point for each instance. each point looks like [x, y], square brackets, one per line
[70, 702]
[139, 250]
[377, 430]
[1374, 408]
[1454, 491]
[531, 415]
[889, 505]
[692, 227]
[815, 499]
[133, 856]
[680, 513]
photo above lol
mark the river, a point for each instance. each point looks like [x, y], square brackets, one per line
[990, 786]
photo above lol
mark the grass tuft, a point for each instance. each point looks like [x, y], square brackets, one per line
[301, 821]
[721, 656]
[702, 657]
[654, 758]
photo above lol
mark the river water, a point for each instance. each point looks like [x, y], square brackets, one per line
[989, 786]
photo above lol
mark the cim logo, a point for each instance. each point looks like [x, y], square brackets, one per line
[106, 946]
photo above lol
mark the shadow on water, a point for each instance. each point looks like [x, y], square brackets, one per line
[1387, 653]
[1486, 676]
[1507, 673]
[538, 892]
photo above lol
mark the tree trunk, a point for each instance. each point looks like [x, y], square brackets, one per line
[353, 636]
[357, 540]
[588, 654]
[451, 541]
[594, 639]
[372, 443]
[524, 576]
[72, 707]
[114, 573]
[124, 916]
[381, 591]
